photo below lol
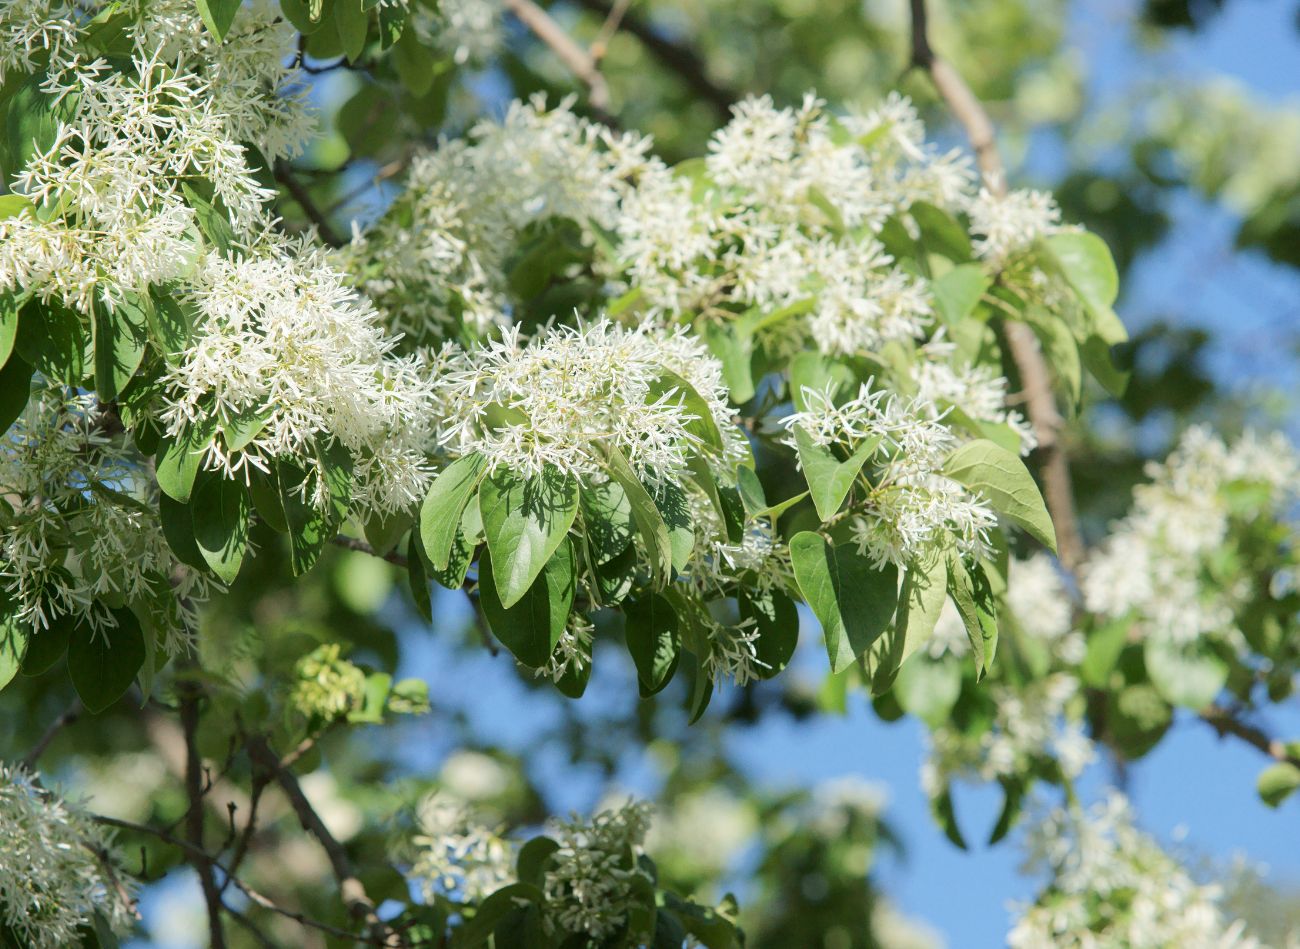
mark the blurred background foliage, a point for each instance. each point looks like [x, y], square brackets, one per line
[1192, 177]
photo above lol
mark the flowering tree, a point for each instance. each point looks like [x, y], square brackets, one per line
[601, 395]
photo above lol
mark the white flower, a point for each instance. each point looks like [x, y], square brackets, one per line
[912, 509]
[569, 396]
[589, 880]
[1112, 885]
[1010, 222]
[58, 870]
[455, 854]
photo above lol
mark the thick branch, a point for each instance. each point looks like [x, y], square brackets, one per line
[1054, 465]
[579, 61]
[680, 59]
[351, 889]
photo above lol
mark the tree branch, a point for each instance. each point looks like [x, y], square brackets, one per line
[1035, 378]
[351, 889]
[579, 61]
[69, 715]
[201, 861]
[682, 60]
[361, 547]
[1225, 722]
[285, 176]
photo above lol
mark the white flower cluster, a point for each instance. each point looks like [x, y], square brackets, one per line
[84, 523]
[456, 854]
[58, 871]
[793, 202]
[589, 881]
[469, 31]
[1006, 223]
[568, 396]
[1112, 885]
[911, 509]
[440, 257]
[943, 381]
[280, 337]
[1152, 568]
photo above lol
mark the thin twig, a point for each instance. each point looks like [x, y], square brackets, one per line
[579, 61]
[608, 29]
[1035, 377]
[360, 546]
[69, 715]
[351, 888]
[265, 902]
[285, 176]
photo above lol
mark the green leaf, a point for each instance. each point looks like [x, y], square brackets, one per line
[242, 427]
[675, 509]
[524, 521]
[958, 292]
[530, 865]
[654, 532]
[352, 22]
[734, 349]
[14, 205]
[928, 688]
[946, 817]
[606, 519]
[307, 527]
[1277, 782]
[416, 65]
[220, 516]
[1102, 656]
[531, 627]
[853, 600]
[1086, 263]
[178, 527]
[751, 490]
[1189, 675]
[1061, 350]
[212, 219]
[374, 699]
[672, 389]
[9, 307]
[171, 324]
[218, 15]
[120, 336]
[941, 233]
[653, 640]
[47, 646]
[495, 908]
[920, 601]
[53, 339]
[32, 123]
[15, 387]
[1004, 481]
[103, 664]
[14, 635]
[443, 506]
[416, 578]
[829, 479]
[816, 372]
[180, 455]
[776, 619]
[972, 594]
[1013, 793]
[463, 549]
